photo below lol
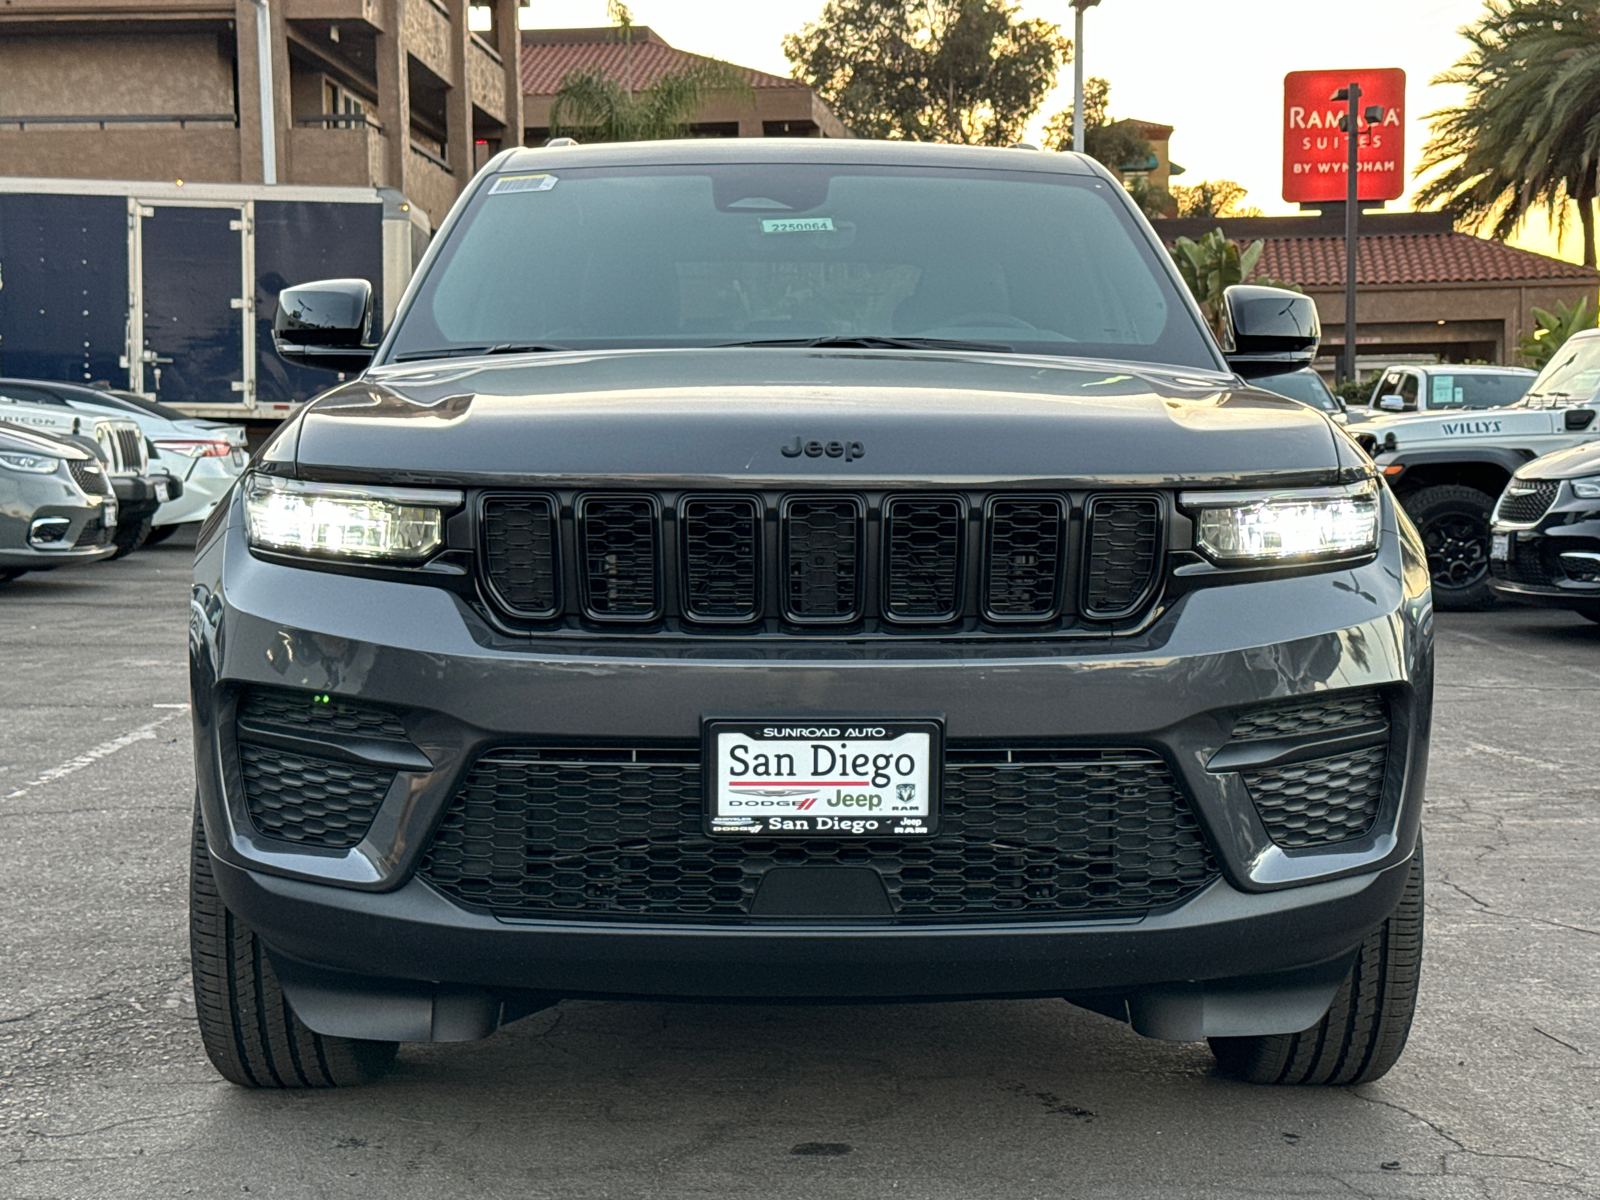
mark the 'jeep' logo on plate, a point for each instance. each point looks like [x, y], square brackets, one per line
[849, 451]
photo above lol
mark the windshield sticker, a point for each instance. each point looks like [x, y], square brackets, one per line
[797, 225]
[522, 183]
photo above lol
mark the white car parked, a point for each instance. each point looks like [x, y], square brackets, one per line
[206, 457]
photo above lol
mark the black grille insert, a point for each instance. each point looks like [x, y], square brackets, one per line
[922, 539]
[520, 537]
[607, 833]
[312, 801]
[327, 714]
[721, 557]
[1024, 557]
[822, 559]
[1525, 501]
[131, 445]
[1322, 801]
[1122, 554]
[1332, 714]
[621, 557]
[88, 476]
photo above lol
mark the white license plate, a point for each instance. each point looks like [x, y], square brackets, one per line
[1500, 547]
[826, 779]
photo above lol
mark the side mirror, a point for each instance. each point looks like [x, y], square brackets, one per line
[1268, 331]
[1391, 404]
[327, 324]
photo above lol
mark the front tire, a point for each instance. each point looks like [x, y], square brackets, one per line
[129, 537]
[1365, 1028]
[1454, 523]
[251, 1034]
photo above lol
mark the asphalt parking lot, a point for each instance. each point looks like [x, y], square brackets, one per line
[105, 1092]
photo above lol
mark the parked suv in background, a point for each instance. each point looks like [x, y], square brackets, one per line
[56, 505]
[204, 457]
[1545, 546]
[790, 570]
[1447, 386]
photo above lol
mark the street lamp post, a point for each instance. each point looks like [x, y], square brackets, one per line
[1078, 115]
[1351, 123]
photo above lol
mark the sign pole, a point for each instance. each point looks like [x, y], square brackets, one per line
[1352, 217]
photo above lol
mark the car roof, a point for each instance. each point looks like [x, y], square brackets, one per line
[830, 151]
[1458, 368]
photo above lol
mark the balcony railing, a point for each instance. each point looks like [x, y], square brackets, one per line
[182, 120]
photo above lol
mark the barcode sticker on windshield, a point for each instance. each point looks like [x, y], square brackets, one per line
[522, 183]
[797, 225]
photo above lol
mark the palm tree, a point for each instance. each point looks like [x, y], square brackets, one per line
[591, 106]
[1529, 132]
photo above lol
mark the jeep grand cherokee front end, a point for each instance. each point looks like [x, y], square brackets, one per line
[805, 571]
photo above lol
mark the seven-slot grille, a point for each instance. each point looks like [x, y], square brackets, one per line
[839, 558]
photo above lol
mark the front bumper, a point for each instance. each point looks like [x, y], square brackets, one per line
[37, 503]
[1277, 923]
[139, 496]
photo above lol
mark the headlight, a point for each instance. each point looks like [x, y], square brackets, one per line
[344, 521]
[1289, 526]
[1587, 489]
[33, 464]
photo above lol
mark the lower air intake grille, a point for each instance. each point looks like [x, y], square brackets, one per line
[822, 559]
[1122, 552]
[620, 569]
[1323, 715]
[1022, 575]
[922, 549]
[94, 533]
[312, 801]
[591, 833]
[721, 556]
[305, 711]
[1524, 502]
[1322, 801]
[519, 549]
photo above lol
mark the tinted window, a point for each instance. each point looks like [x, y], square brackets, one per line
[1468, 390]
[1573, 374]
[1408, 390]
[711, 255]
[11, 393]
[1387, 385]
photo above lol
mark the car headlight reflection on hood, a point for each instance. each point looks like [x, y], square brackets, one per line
[1298, 525]
[324, 520]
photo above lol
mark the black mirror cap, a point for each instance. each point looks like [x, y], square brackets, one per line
[327, 324]
[1268, 331]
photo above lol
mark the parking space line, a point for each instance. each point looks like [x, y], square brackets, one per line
[89, 757]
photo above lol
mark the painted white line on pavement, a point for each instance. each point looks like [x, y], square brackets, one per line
[144, 733]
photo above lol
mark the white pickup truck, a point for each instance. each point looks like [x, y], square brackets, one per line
[1447, 466]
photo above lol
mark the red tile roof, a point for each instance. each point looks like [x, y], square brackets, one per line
[1410, 258]
[549, 54]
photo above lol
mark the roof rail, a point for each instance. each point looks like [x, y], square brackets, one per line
[1022, 146]
[560, 141]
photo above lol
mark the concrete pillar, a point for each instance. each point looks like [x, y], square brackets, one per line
[244, 26]
[394, 95]
[510, 48]
[458, 100]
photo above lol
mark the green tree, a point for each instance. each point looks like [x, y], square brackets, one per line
[1212, 264]
[592, 106]
[967, 71]
[1212, 198]
[1539, 347]
[1117, 144]
[1528, 134]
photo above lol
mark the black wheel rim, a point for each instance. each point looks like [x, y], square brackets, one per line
[1458, 551]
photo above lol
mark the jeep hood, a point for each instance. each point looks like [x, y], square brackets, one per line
[726, 414]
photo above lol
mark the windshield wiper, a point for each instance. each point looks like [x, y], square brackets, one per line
[875, 342]
[466, 351]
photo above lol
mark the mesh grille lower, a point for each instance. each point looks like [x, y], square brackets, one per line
[95, 532]
[312, 801]
[1323, 714]
[616, 833]
[1320, 802]
[303, 711]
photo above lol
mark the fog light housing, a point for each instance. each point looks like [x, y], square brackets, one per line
[344, 521]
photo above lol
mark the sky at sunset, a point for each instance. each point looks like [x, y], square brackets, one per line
[1213, 71]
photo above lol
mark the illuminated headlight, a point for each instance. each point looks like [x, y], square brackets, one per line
[33, 464]
[1587, 489]
[344, 521]
[1289, 526]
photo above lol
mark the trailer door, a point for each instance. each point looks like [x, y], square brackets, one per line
[191, 328]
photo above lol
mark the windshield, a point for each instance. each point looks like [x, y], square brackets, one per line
[718, 255]
[136, 403]
[1475, 391]
[1573, 373]
[1304, 386]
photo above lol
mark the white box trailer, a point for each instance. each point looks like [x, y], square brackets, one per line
[168, 289]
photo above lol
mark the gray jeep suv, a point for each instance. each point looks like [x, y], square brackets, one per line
[785, 571]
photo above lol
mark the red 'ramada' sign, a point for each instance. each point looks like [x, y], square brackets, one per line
[1314, 163]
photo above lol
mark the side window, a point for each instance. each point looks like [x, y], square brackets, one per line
[11, 394]
[1408, 391]
[1388, 385]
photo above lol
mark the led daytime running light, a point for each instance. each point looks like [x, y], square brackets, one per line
[33, 464]
[1286, 527]
[338, 521]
